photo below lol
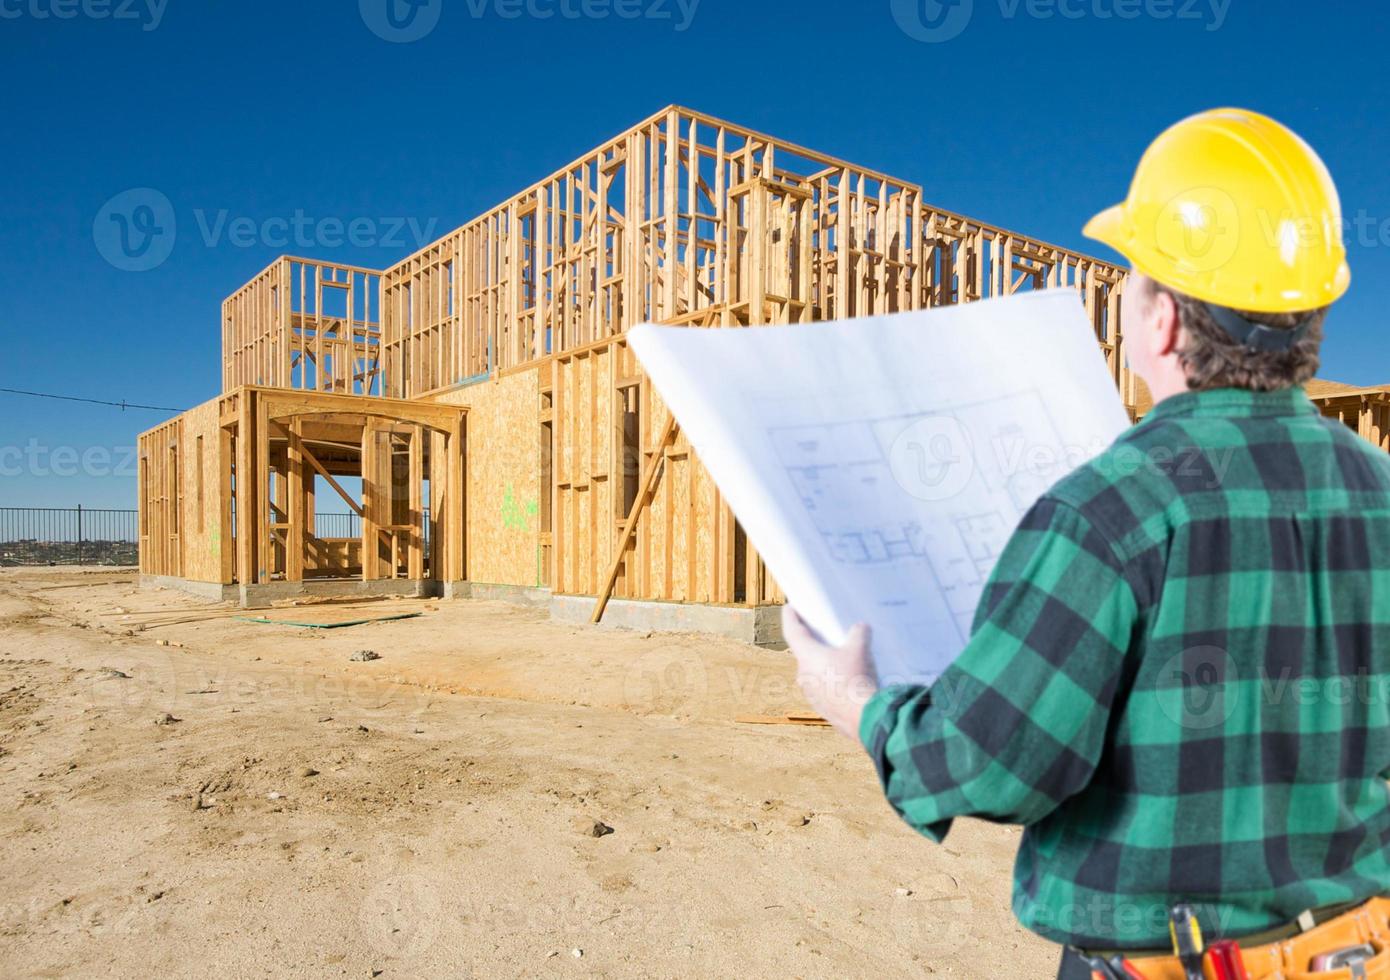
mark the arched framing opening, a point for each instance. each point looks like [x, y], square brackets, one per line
[408, 455]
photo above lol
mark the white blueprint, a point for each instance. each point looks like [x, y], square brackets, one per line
[879, 465]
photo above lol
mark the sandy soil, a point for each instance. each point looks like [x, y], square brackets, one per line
[432, 813]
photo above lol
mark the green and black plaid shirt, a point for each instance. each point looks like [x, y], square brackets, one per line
[1178, 680]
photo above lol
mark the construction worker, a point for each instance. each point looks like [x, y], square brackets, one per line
[1178, 679]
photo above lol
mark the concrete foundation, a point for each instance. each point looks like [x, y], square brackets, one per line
[260, 595]
[522, 595]
[211, 591]
[759, 625]
[455, 590]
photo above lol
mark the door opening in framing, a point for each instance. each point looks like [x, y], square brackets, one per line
[341, 494]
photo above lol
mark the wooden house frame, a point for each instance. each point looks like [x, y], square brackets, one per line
[1365, 410]
[573, 478]
[202, 521]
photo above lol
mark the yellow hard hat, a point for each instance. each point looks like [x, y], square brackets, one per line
[1233, 208]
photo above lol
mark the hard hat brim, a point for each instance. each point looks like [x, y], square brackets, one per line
[1112, 227]
[1108, 228]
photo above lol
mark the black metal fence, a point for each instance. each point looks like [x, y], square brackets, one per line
[69, 536]
[337, 525]
[83, 536]
[329, 525]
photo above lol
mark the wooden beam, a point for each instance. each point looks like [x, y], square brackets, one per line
[260, 498]
[313, 461]
[415, 548]
[438, 469]
[454, 529]
[371, 496]
[644, 496]
[294, 539]
[226, 541]
[246, 491]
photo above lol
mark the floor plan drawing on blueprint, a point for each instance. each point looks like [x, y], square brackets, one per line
[880, 465]
[901, 461]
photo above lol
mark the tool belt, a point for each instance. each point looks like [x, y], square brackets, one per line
[1286, 953]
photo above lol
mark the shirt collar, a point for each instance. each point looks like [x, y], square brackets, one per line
[1234, 403]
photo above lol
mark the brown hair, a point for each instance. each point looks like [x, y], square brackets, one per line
[1213, 358]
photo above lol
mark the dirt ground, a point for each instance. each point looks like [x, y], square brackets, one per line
[432, 813]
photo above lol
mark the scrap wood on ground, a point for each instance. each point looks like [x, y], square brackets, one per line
[329, 625]
[813, 721]
[175, 615]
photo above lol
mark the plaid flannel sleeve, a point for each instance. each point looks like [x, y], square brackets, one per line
[1016, 724]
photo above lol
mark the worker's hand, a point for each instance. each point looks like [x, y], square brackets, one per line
[838, 681]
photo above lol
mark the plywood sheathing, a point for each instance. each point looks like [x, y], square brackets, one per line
[159, 499]
[608, 426]
[504, 485]
[184, 525]
[201, 527]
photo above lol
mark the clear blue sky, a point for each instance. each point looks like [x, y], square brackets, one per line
[1032, 117]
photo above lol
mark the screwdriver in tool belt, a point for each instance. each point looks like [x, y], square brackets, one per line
[1187, 940]
[1227, 963]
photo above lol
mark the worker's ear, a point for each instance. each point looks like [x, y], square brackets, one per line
[1165, 321]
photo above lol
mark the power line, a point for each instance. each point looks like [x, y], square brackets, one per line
[123, 405]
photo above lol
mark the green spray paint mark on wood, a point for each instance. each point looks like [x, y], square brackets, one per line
[516, 516]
